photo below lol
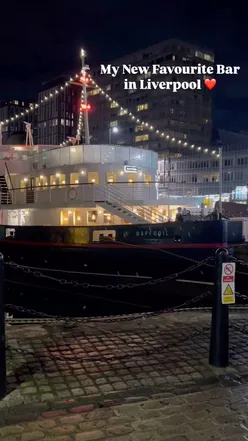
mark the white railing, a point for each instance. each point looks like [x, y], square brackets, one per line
[74, 195]
[113, 195]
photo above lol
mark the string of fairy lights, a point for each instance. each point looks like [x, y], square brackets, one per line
[160, 133]
[126, 111]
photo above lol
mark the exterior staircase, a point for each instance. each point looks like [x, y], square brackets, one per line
[4, 191]
[121, 205]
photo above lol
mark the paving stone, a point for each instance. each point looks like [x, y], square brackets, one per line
[119, 430]
[89, 436]
[91, 390]
[32, 436]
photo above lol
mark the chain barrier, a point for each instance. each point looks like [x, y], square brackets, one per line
[76, 284]
[109, 319]
[110, 356]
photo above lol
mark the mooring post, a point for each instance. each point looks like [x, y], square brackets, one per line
[219, 343]
[2, 333]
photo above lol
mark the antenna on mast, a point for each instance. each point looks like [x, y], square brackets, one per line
[29, 136]
[1, 135]
[86, 115]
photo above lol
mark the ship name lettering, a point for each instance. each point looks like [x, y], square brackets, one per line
[150, 233]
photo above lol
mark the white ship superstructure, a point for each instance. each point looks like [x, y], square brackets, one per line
[82, 185]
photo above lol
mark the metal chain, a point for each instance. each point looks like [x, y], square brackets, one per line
[110, 356]
[109, 319]
[75, 283]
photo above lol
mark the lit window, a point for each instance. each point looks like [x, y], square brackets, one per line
[139, 128]
[52, 181]
[93, 92]
[113, 104]
[123, 112]
[142, 107]
[141, 138]
[61, 180]
[74, 178]
[113, 123]
[148, 179]
[16, 103]
[111, 177]
[62, 122]
[108, 87]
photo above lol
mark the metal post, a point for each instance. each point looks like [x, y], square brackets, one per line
[1, 136]
[110, 135]
[220, 181]
[219, 343]
[86, 116]
[2, 333]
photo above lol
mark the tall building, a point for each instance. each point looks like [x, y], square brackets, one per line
[9, 110]
[58, 116]
[185, 114]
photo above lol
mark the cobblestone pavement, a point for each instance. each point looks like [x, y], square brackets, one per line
[49, 376]
[214, 414]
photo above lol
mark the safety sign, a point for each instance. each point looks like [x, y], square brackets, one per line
[228, 283]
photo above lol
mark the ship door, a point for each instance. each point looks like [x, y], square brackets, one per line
[30, 191]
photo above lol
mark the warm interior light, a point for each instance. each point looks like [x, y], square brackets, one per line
[69, 212]
[65, 218]
[73, 149]
[41, 177]
[77, 181]
[82, 172]
[57, 175]
[25, 179]
[78, 218]
[63, 182]
[93, 217]
[93, 180]
[111, 180]
[100, 211]
[121, 173]
[130, 180]
[53, 182]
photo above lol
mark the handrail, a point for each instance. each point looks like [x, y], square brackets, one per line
[145, 209]
[125, 198]
[9, 177]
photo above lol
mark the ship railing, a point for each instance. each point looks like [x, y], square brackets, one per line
[72, 194]
[114, 195]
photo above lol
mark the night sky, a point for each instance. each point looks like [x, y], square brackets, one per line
[41, 42]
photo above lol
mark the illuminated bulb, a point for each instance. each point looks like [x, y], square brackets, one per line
[130, 180]
[110, 180]
[93, 217]
[93, 180]
[69, 212]
[121, 173]
[78, 218]
[173, 139]
[57, 175]
[53, 182]
[25, 179]
[100, 211]
[41, 177]
[77, 181]
[63, 182]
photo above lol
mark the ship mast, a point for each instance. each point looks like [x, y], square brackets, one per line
[86, 115]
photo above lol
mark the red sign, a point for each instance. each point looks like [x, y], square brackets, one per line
[227, 279]
[228, 269]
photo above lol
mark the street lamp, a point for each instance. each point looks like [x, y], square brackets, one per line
[112, 130]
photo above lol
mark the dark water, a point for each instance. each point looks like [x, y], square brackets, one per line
[64, 297]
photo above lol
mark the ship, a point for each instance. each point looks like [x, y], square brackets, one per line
[83, 232]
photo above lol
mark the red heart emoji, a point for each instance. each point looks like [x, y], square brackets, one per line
[210, 83]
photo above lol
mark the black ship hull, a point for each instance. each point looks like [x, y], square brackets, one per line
[112, 270]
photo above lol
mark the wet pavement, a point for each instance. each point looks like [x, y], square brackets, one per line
[126, 381]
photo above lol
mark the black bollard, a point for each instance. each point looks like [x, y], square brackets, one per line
[219, 343]
[2, 333]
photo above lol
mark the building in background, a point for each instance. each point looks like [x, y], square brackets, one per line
[58, 116]
[9, 110]
[185, 115]
[199, 175]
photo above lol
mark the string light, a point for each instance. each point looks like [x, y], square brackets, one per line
[36, 106]
[158, 132]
